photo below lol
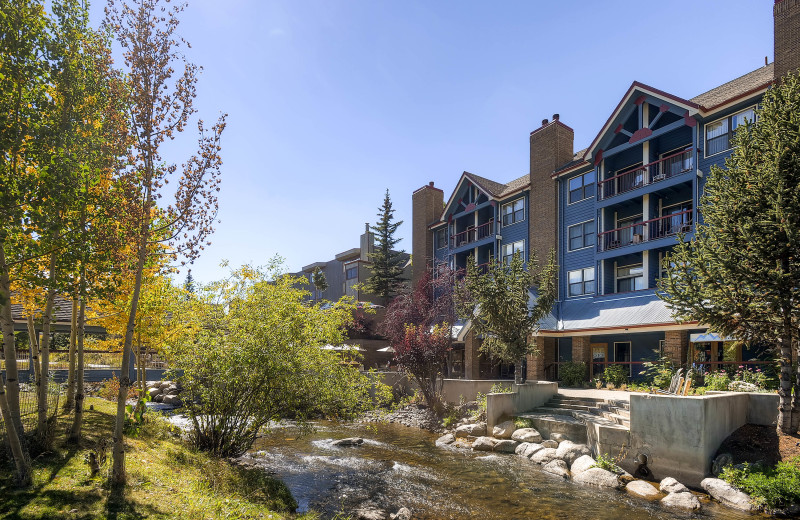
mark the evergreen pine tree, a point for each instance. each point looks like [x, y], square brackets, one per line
[188, 285]
[740, 273]
[386, 278]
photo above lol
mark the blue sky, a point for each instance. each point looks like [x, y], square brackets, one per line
[332, 102]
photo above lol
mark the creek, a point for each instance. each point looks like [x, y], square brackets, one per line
[399, 466]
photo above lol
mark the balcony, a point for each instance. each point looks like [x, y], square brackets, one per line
[472, 235]
[646, 231]
[661, 170]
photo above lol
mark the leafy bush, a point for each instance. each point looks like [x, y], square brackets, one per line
[519, 422]
[718, 380]
[769, 488]
[659, 373]
[499, 388]
[617, 375]
[109, 390]
[572, 373]
[607, 462]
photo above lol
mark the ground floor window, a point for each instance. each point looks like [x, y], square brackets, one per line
[622, 353]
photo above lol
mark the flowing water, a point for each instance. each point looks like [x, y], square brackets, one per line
[398, 466]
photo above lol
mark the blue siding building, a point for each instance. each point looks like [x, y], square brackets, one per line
[612, 211]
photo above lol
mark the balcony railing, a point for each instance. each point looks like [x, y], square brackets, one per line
[669, 166]
[645, 231]
[472, 235]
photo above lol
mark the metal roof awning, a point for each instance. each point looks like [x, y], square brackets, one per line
[708, 336]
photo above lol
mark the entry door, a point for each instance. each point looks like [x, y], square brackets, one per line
[599, 358]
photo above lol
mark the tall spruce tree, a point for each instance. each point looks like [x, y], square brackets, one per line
[386, 278]
[740, 273]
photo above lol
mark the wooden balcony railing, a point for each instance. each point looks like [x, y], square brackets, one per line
[645, 231]
[472, 235]
[657, 171]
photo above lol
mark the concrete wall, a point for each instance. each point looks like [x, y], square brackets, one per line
[454, 389]
[680, 435]
[525, 397]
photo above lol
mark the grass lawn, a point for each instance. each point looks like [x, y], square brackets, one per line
[166, 479]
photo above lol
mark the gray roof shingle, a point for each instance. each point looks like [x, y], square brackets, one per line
[759, 78]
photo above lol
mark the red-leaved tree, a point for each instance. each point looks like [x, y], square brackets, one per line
[419, 327]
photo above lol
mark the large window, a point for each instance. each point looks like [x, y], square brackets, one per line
[513, 212]
[720, 133]
[581, 235]
[581, 281]
[509, 250]
[581, 187]
[351, 272]
[630, 278]
[441, 238]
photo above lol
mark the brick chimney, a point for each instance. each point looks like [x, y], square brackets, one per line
[551, 148]
[426, 207]
[786, 14]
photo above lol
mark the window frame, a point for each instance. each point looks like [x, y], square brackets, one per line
[730, 132]
[582, 176]
[617, 277]
[583, 235]
[582, 283]
[441, 244]
[506, 259]
[513, 212]
[347, 270]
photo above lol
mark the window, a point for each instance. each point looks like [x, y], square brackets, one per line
[509, 250]
[581, 235]
[351, 272]
[630, 278]
[441, 238]
[513, 212]
[581, 187]
[720, 133]
[581, 281]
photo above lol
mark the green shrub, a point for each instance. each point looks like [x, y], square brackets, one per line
[769, 488]
[572, 373]
[617, 375]
[659, 373]
[718, 380]
[520, 423]
[499, 388]
[607, 463]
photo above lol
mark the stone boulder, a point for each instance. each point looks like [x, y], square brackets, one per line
[172, 390]
[370, 513]
[172, 400]
[581, 464]
[484, 444]
[557, 467]
[670, 485]
[504, 430]
[446, 439]
[558, 437]
[153, 392]
[726, 494]
[403, 513]
[505, 446]
[471, 430]
[544, 456]
[598, 477]
[742, 386]
[569, 451]
[550, 443]
[642, 488]
[164, 385]
[531, 448]
[684, 500]
[526, 435]
[159, 398]
[348, 441]
[520, 449]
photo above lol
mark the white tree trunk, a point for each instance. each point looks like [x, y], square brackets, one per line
[77, 420]
[69, 403]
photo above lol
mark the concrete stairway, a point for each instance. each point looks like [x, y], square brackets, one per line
[572, 416]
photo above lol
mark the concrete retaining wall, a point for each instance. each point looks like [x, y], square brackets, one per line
[454, 390]
[523, 398]
[680, 435]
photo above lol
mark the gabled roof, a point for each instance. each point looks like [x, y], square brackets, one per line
[493, 189]
[737, 88]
